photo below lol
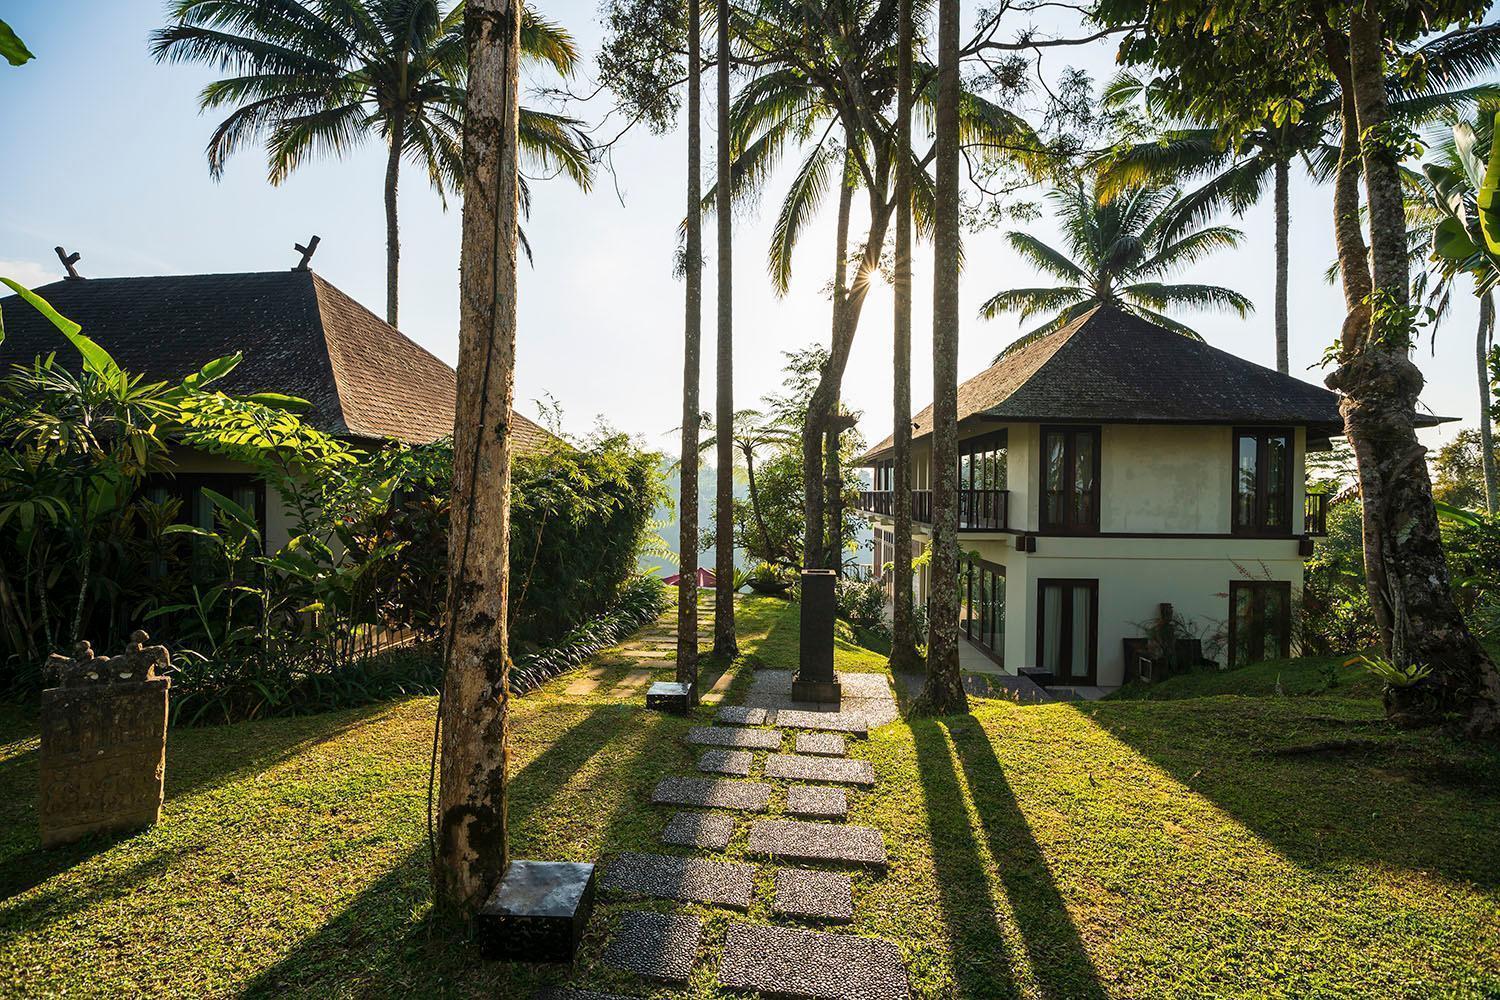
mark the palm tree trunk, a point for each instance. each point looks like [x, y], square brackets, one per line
[760, 518]
[820, 407]
[687, 537]
[903, 633]
[1283, 255]
[1408, 572]
[1486, 430]
[833, 482]
[472, 847]
[943, 692]
[392, 233]
[724, 641]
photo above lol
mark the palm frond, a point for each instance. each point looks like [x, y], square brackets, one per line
[1030, 301]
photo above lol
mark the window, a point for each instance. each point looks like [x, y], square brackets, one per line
[1067, 629]
[1260, 620]
[1070, 479]
[1263, 481]
[983, 613]
[981, 482]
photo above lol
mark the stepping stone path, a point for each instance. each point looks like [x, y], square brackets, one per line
[815, 802]
[687, 880]
[783, 961]
[796, 840]
[739, 715]
[713, 793]
[658, 946]
[814, 895]
[735, 762]
[830, 769]
[739, 739]
[833, 722]
[709, 831]
[821, 744]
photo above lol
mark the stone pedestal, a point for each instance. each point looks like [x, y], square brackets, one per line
[815, 680]
[537, 913]
[104, 742]
[670, 696]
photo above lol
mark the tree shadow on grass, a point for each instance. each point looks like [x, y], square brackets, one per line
[197, 759]
[1324, 785]
[1055, 951]
[389, 941]
[982, 959]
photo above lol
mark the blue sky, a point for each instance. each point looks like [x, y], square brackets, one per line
[106, 157]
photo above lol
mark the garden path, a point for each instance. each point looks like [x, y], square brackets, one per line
[794, 778]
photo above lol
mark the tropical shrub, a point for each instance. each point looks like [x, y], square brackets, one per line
[862, 603]
[641, 601]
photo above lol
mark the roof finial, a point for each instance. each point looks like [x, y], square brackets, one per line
[68, 260]
[306, 252]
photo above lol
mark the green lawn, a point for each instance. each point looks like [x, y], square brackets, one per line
[1216, 845]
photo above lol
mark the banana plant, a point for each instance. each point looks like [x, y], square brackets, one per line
[1468, 236]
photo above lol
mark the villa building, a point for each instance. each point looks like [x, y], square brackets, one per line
[367, 383]
[1107, 469]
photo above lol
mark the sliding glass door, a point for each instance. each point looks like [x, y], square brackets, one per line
[983, 612]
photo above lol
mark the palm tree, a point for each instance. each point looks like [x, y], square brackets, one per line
[321, 78]
[472, 851]
[687, 537]
[724, 641]
[1442, 205]
[1192, 146]
[752, 431]
[1237, 172]
[1119, 253]
[830, 73]
[943, 692]
[903, 630]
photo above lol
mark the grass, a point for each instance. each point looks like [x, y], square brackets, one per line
[1207, 844]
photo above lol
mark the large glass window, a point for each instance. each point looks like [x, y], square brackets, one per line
[1259, 620]
[981, 480]
[1070, 479]
[1263, 481]
[1068, 629]
[984, 607]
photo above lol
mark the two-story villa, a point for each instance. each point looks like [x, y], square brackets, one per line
[1111, 467]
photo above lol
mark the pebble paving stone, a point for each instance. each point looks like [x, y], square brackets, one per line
[821, 744]
[735, 762]
[739, 715]
[794, 840]
[687, 880]
[586, 683]
[713, 793]
[831, 769]
[573, 993]
[781, 961]
[708, 831]
[817, 803]
[832, 722]
[738, 739]
[658, 946]
[814, 895]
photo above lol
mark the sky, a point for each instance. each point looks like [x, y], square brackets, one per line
[106, 157]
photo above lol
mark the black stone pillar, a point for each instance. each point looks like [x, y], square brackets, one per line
[815, 679]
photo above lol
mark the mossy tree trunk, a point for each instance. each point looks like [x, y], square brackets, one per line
[472, 848]
[1406, 568]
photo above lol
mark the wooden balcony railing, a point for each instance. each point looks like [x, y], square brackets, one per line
[978, 510]
[1315, 514]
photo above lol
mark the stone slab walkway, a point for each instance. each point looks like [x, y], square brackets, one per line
[687, 880]
[713, 793]
[833, 770]
[782, 961]
[658, 946]
[795, 840]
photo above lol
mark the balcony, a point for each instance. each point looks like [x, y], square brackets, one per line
[978, 510]
[1315, 515]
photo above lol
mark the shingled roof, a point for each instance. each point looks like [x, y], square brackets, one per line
[1109, 366]
[299, 334]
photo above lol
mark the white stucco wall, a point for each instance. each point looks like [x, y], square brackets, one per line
[1154, 480]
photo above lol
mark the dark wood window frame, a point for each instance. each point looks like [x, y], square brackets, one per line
[1259, 527]
[1257, 616]
[181, 486]
[1092, 677]
[1070, 465]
